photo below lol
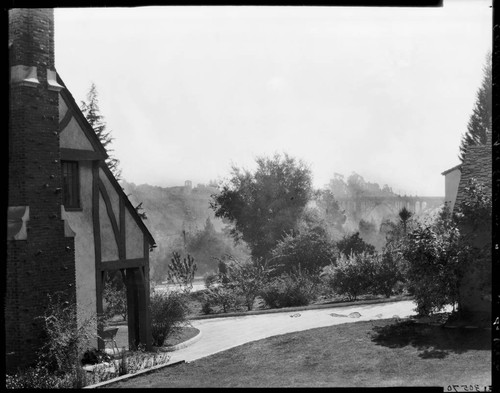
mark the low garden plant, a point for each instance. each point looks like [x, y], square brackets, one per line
[169, 313]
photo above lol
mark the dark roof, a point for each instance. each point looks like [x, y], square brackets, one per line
[451, 169]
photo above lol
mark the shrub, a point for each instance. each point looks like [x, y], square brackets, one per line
[436, 256]
[206, 307]
[94, 356]
[37, 377]
[210, 279]
[352, 276]
[308, 250]
[246, 279]
[168, 315]
[220, 295]
[60, 358]
[288, 290]
[387, 273]
[65, 339]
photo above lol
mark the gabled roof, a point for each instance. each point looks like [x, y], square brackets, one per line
[459, 166]
[127, 202]
[97, 145]
[82, 121]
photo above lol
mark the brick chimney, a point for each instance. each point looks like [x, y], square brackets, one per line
[40, 259]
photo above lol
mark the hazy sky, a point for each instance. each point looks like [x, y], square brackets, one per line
[189, 91]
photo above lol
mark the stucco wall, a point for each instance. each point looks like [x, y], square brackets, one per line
[81, 223]
[135, 238]
[109, 247]
[63, 108]
[451, 181]
[72, 137]
[113, 195]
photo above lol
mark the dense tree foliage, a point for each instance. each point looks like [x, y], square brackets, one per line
[207, 246]
[307, 250]
[266, 204]
[481, 118]
[354, 244]
[329, 209]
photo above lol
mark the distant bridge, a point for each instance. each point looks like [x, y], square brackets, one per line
[375, 208]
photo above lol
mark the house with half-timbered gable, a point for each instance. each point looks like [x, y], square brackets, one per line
[69, 221]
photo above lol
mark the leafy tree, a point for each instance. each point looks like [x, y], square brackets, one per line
[266, 204]
[338, 187]
[208, 245]
[480, 120]
[354, 244]
[92, 113]
[368, 232]
[330, 209]
[308, 250]
[356, 185]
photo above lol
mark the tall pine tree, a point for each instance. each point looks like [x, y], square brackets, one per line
[480, 120]
[92, 113]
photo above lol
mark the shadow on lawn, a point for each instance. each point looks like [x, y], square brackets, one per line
[434, 342]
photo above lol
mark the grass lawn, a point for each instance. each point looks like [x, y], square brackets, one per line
[372, 353]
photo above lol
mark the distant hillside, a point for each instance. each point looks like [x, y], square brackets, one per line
[172, 210]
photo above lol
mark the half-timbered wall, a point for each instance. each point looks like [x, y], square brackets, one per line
[103, 240]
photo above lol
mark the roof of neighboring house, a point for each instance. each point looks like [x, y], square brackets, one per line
[452, 169]
[96, 143]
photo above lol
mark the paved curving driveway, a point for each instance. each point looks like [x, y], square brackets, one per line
[220, 334]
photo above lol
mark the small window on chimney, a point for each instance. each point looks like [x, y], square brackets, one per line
[71, 184]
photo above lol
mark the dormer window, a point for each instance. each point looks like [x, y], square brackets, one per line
[71, 184]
